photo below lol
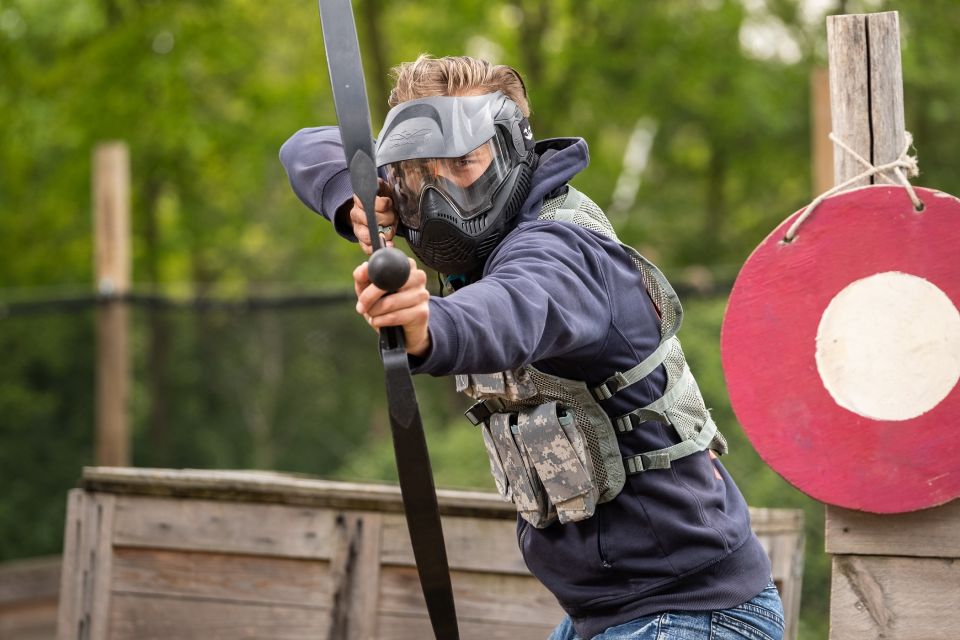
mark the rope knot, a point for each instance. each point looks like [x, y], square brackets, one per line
[904, 167]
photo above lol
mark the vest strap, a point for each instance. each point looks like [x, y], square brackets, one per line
[619, 380]
[661, 458]
[656, 410]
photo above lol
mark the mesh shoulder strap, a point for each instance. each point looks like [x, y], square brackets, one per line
[568, 208]
[576, 208]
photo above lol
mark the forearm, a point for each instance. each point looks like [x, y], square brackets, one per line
[314, 162]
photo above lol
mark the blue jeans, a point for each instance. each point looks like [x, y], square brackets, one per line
[758, 619]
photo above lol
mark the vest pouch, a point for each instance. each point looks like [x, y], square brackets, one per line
[539, 460]
[519, 476]
[497, 469]
[558, 452]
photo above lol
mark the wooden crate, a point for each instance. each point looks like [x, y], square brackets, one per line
[212, 554]
[895, 576]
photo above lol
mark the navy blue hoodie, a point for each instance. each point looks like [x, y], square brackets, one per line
[570, 302]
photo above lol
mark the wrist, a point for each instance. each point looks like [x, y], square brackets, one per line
[421, 348]
[341, 220]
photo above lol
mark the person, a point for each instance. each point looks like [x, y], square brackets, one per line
[592, 422]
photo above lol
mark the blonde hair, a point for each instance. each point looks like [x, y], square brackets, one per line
[455, 76]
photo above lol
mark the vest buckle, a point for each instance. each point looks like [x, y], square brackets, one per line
[480, 412]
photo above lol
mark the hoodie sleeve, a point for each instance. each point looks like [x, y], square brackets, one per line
[544, 296]
[317, 170]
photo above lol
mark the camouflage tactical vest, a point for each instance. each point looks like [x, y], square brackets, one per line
[553, 450]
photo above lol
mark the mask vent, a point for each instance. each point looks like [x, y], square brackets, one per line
[475, 225]
[412, 236]
[520, 192]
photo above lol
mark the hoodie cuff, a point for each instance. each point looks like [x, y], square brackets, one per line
[337, 192]
[444, 344]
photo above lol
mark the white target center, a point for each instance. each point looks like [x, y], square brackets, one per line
[888, 346]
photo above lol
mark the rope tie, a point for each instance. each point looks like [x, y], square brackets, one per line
[902, 168]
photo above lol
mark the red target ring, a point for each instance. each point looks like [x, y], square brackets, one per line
[876, 432]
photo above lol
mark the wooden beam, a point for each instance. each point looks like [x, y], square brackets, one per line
[886, 88]
[930, 532]
[86, 570]
[880, 597]
[111, 226]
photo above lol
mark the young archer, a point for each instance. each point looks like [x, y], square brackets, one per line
[565, 339]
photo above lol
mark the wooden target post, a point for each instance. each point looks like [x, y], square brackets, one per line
[111, 230]
[894, 576]
[841, 349]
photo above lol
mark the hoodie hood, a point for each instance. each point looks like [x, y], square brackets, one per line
[559, 160]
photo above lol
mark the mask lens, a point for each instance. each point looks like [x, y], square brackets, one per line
[469, 182]
[406, 180]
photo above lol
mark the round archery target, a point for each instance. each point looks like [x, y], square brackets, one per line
[841, 350]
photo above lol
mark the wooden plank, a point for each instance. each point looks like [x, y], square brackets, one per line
[30, 579]
[296, 489]
[365, 594]
[227, 527]
[929, 532]
[886, 87]
[786, 552]
[28, 598]
[347, 532]
[881, 597]
[98, 564]
[479, 597]
[781, 551]
[274, 487]
[137, 617]
[354, 576]
[767, 521]
[849, 93]
[866, 90]
[219, 576]
[492, 546]
[111, 228]
[396, 627]
[36, 620]
[472, 545]
[85, 579]
[71, 576]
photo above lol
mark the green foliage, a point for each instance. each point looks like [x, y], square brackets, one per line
[46, 405]
[204, 93]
